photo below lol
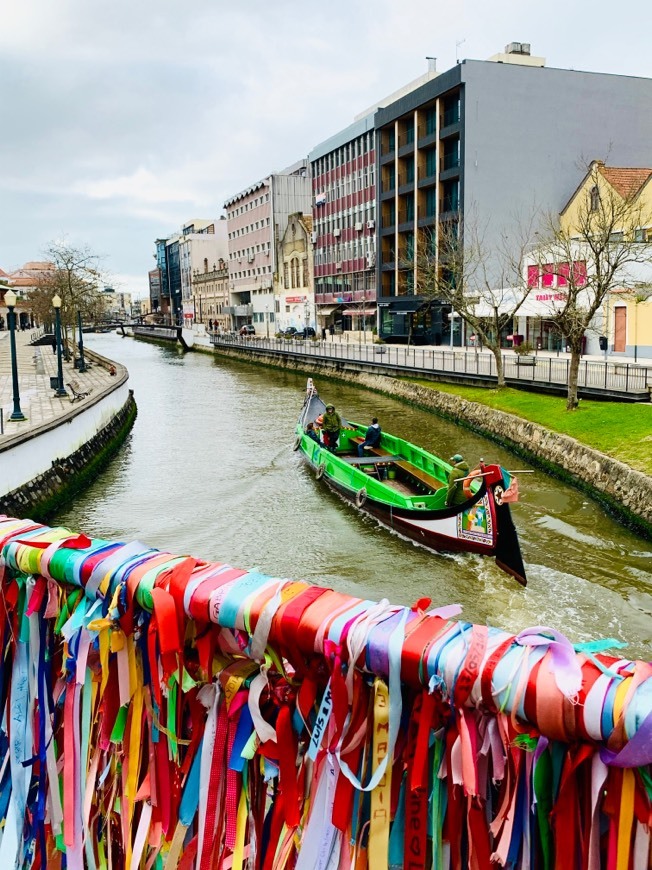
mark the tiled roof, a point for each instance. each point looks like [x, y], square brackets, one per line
[625, 180]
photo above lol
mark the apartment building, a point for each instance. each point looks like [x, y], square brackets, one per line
[210, 295]
[256, 219]
[495, 139]
[343, 180]
[202, 242]
[296, 295]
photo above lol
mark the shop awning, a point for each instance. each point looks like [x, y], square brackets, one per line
[357, 312]
[325, 310]
[403, 304]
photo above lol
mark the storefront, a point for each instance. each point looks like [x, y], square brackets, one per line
[411, 318]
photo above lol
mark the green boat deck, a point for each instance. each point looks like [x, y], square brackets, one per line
[422, 477]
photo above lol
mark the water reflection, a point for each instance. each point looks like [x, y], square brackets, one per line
[209, 470]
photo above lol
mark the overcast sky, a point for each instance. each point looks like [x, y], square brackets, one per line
[121, 120]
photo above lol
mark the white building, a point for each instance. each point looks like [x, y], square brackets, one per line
[256, 220]
[202, 244]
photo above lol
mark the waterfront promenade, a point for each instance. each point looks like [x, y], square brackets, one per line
[600, 378]
[36, 365]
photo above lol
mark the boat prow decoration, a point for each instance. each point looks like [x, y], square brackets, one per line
[405, 487]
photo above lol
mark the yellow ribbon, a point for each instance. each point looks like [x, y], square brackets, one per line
[381, 795]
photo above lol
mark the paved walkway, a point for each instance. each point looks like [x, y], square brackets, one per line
[37, 400]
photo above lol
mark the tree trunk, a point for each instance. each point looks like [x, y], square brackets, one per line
[500, 371]
[572, 400]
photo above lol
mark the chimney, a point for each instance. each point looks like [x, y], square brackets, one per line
[432, 64]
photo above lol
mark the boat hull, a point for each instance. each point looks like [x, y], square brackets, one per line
[482, 524]
[453, 533]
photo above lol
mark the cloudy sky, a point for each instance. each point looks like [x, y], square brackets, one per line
[121, 120]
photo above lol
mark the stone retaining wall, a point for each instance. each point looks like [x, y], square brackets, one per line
[68, 475]
[624, 491]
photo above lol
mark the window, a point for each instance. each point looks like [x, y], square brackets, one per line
[304, 273]
[286, 278]
[431, 202]
[548, 275]
[532, 276]
[431, 161]
[431, 121]
[563, 274]
[595, 198]
[579, 273]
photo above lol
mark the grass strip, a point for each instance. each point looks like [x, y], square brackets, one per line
[618, 429]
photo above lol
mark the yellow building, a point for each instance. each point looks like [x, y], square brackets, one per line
[210, 295]
[627, 312]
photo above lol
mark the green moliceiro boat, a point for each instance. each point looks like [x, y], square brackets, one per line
[404, 487]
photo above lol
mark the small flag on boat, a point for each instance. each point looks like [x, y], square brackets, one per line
[511, 493]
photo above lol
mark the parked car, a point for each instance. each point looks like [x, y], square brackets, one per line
[247, 329]
[308, 332]
[289, 332]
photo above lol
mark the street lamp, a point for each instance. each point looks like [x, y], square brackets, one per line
[10, 301]
[82, 362]
[56, 304]
[267, 319]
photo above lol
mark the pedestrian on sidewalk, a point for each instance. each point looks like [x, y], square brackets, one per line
[53, 342]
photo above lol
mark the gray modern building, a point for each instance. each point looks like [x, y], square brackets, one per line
[495, 138]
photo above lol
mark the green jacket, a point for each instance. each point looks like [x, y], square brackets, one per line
[331, 421]
[455, 494]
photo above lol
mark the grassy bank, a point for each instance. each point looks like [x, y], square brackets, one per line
[621, 430]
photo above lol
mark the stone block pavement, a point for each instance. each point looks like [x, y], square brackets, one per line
[36, 365]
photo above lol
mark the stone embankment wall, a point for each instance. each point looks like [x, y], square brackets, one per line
[624, 491]
[46, 466]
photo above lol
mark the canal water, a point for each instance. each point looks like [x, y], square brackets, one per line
[209, 470]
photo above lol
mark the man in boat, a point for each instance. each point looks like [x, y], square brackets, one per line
[371, 438]
[455, 494]
[331, 425]
[311, 432]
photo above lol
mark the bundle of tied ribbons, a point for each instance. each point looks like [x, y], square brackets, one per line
[163, 712]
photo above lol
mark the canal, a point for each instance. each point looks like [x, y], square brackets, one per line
[208, 470]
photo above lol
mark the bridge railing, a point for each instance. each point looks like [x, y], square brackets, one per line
[163, 711]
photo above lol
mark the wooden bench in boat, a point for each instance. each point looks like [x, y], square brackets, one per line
[417, 473]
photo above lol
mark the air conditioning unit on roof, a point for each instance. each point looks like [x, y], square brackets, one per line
[371, 225]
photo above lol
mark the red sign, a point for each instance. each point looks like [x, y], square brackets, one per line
[290, 299]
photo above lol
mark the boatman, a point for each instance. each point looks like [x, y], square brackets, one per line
[331, 425]
[455, 494]
[371, 438]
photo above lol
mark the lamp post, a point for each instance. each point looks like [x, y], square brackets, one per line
[10, 300]
[82, 361]
[267, 320]
[56, 304]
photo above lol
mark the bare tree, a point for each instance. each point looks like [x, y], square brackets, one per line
[597, 247]
[76, 277]
[484, 283]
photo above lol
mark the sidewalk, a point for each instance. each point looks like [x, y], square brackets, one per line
[37, 400]
[355, 338]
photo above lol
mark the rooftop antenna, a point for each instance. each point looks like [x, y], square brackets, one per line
[432, 64]
[457, 49]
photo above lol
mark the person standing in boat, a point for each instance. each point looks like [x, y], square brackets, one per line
[455, 494]
[331, 425]
[371, 438]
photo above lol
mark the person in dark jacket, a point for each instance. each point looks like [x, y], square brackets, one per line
[455, 494]
[331, 425]
[311, 432]
[371, 438]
